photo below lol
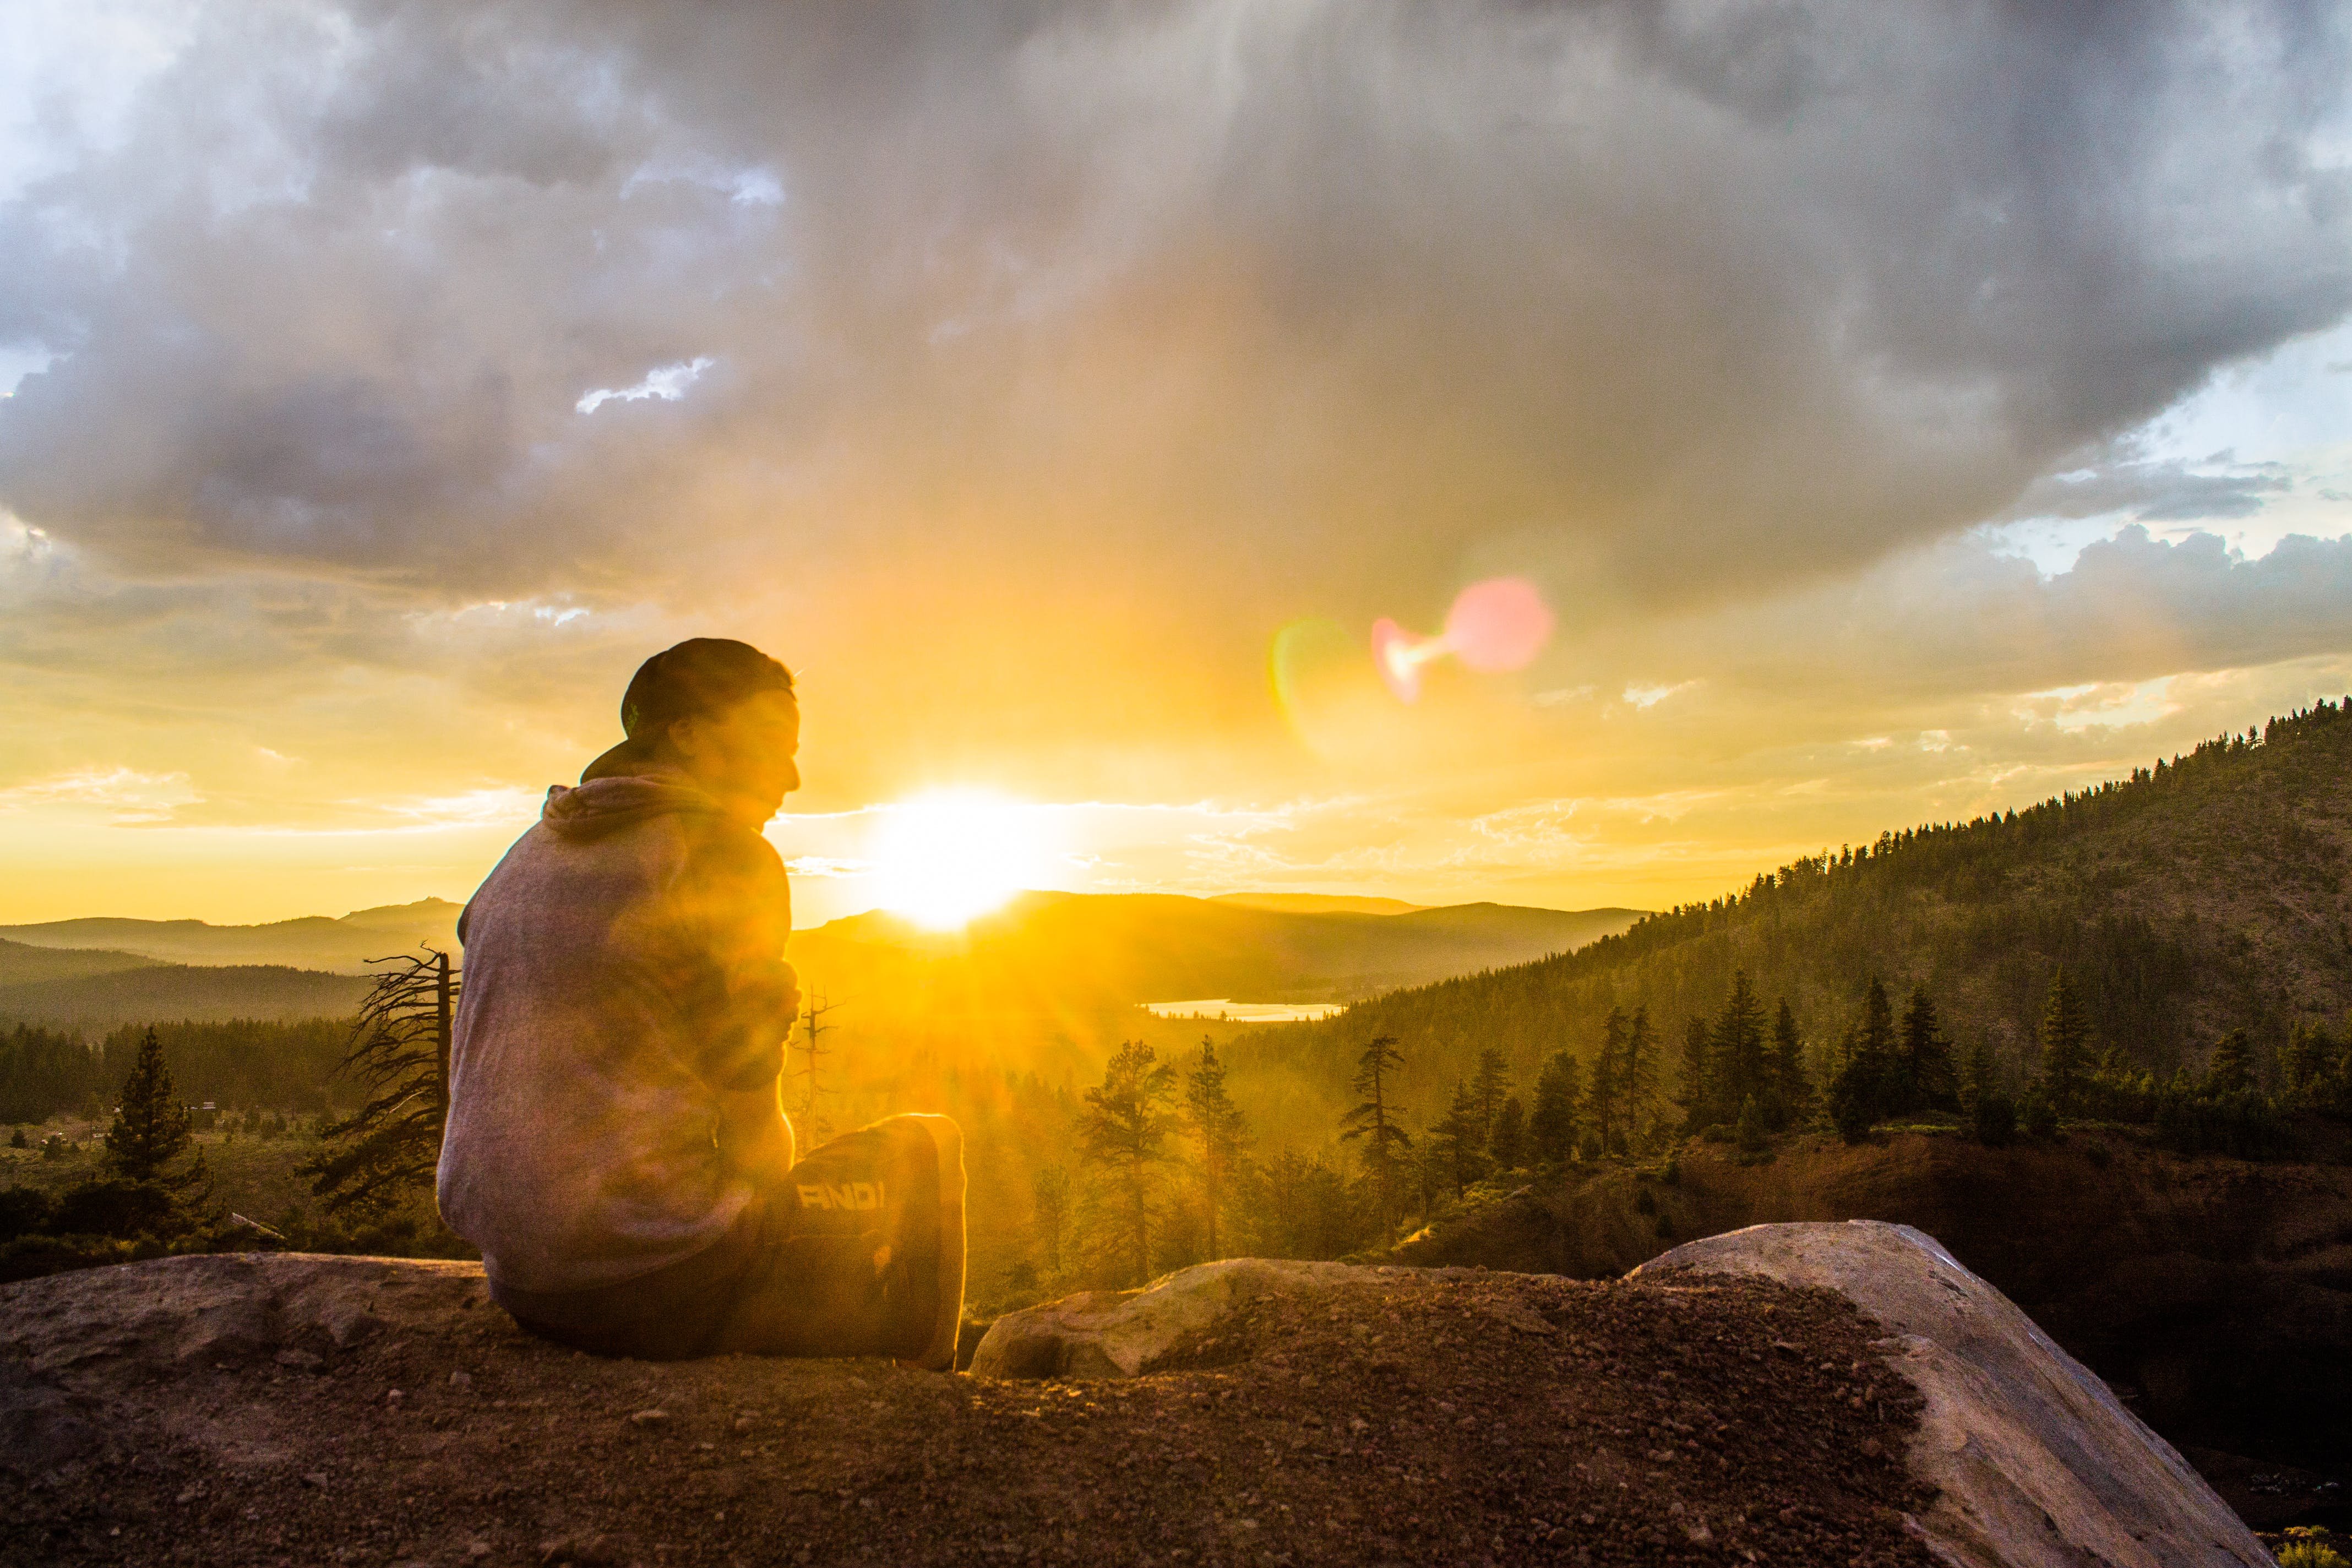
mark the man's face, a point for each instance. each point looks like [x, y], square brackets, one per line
[744, 755]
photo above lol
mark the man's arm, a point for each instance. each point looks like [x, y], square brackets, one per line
[753, 1133]
[752, 1130]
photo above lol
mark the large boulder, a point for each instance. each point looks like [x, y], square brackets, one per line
[2033, 1459]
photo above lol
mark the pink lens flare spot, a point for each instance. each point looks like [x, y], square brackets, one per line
[1397, 655]
[1498, 625]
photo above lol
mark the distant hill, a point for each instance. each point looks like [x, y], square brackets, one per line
[1044, 956]
[1052, 952]
[155, 992]
[2205, 893]
[1317, 903]
[313, 942]
[21, 964]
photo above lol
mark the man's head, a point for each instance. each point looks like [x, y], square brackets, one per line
[720, 712]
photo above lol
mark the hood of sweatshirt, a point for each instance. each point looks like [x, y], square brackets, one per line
[602, 806]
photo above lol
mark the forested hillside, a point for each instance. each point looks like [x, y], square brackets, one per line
[2203, 894]
[102, 1001]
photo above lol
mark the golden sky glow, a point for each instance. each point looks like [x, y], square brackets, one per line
[1069, 395]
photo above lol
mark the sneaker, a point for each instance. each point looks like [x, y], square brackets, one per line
[859, 1250]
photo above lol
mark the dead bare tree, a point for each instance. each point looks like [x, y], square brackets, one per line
[384, 1152]
[812, 1051]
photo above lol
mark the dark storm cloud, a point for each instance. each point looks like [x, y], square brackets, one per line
[1293, 300]
[2166, 492]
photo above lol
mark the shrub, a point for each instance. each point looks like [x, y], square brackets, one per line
[1644, 1203]
[2309, 1546]
[1850, 1113]
[2037, 1113]
[119, 1206]
[1994, 1118]
[2244, 1124]
[22, 1210]
[1752, 1137]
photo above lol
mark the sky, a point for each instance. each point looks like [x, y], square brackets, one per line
[1902, 412]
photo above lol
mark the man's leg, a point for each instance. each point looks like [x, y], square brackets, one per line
[859, 1250]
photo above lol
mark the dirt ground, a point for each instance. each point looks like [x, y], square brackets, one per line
[1450, 1417]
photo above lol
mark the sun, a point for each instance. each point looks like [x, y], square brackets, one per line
[941, 857]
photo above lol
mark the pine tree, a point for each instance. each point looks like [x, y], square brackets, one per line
[1507, 1144]
[1750, 1132]
[1735, 1051]
[1458, 1135]
[150, 1125]
[1551, 1126]
[1924, 1080]
[1490, 1088]
[1604, 1101]
[1637, 1088]
[1049, 1202]
[1217, 1125]
[1695, 1086]
[1124, 1128]
[1792, 1089]
[1859, 1096]
[2231, 1071]
[1990, 1112]
[2065, 1045]
[1374, 1120]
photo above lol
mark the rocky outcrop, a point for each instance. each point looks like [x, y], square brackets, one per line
[2034, 1460]
[2030, 1460]
[1121, 1333]
[1792, 1396]
[2218, 1293]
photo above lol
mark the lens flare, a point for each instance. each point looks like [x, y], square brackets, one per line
[1498, 625]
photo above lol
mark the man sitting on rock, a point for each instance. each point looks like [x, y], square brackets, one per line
[615, 1144]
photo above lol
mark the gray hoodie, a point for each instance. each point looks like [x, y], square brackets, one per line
[607, 963]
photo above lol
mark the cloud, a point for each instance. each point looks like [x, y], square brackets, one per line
[393, 378]
[1761, 289]
[667, 382]
[116, 794]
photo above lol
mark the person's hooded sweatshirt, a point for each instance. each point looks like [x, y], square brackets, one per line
[612, 968]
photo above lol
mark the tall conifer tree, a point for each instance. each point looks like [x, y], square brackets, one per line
[1791, 1086]
[1490, 1088]
[1124, 1128]
[1216, 1123]
[1604, 1100]
[2065, 1042]
[150, 1125]
[1637, 1087]
[1374, 1119]
[1551, 1126]
[1927, 1079]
